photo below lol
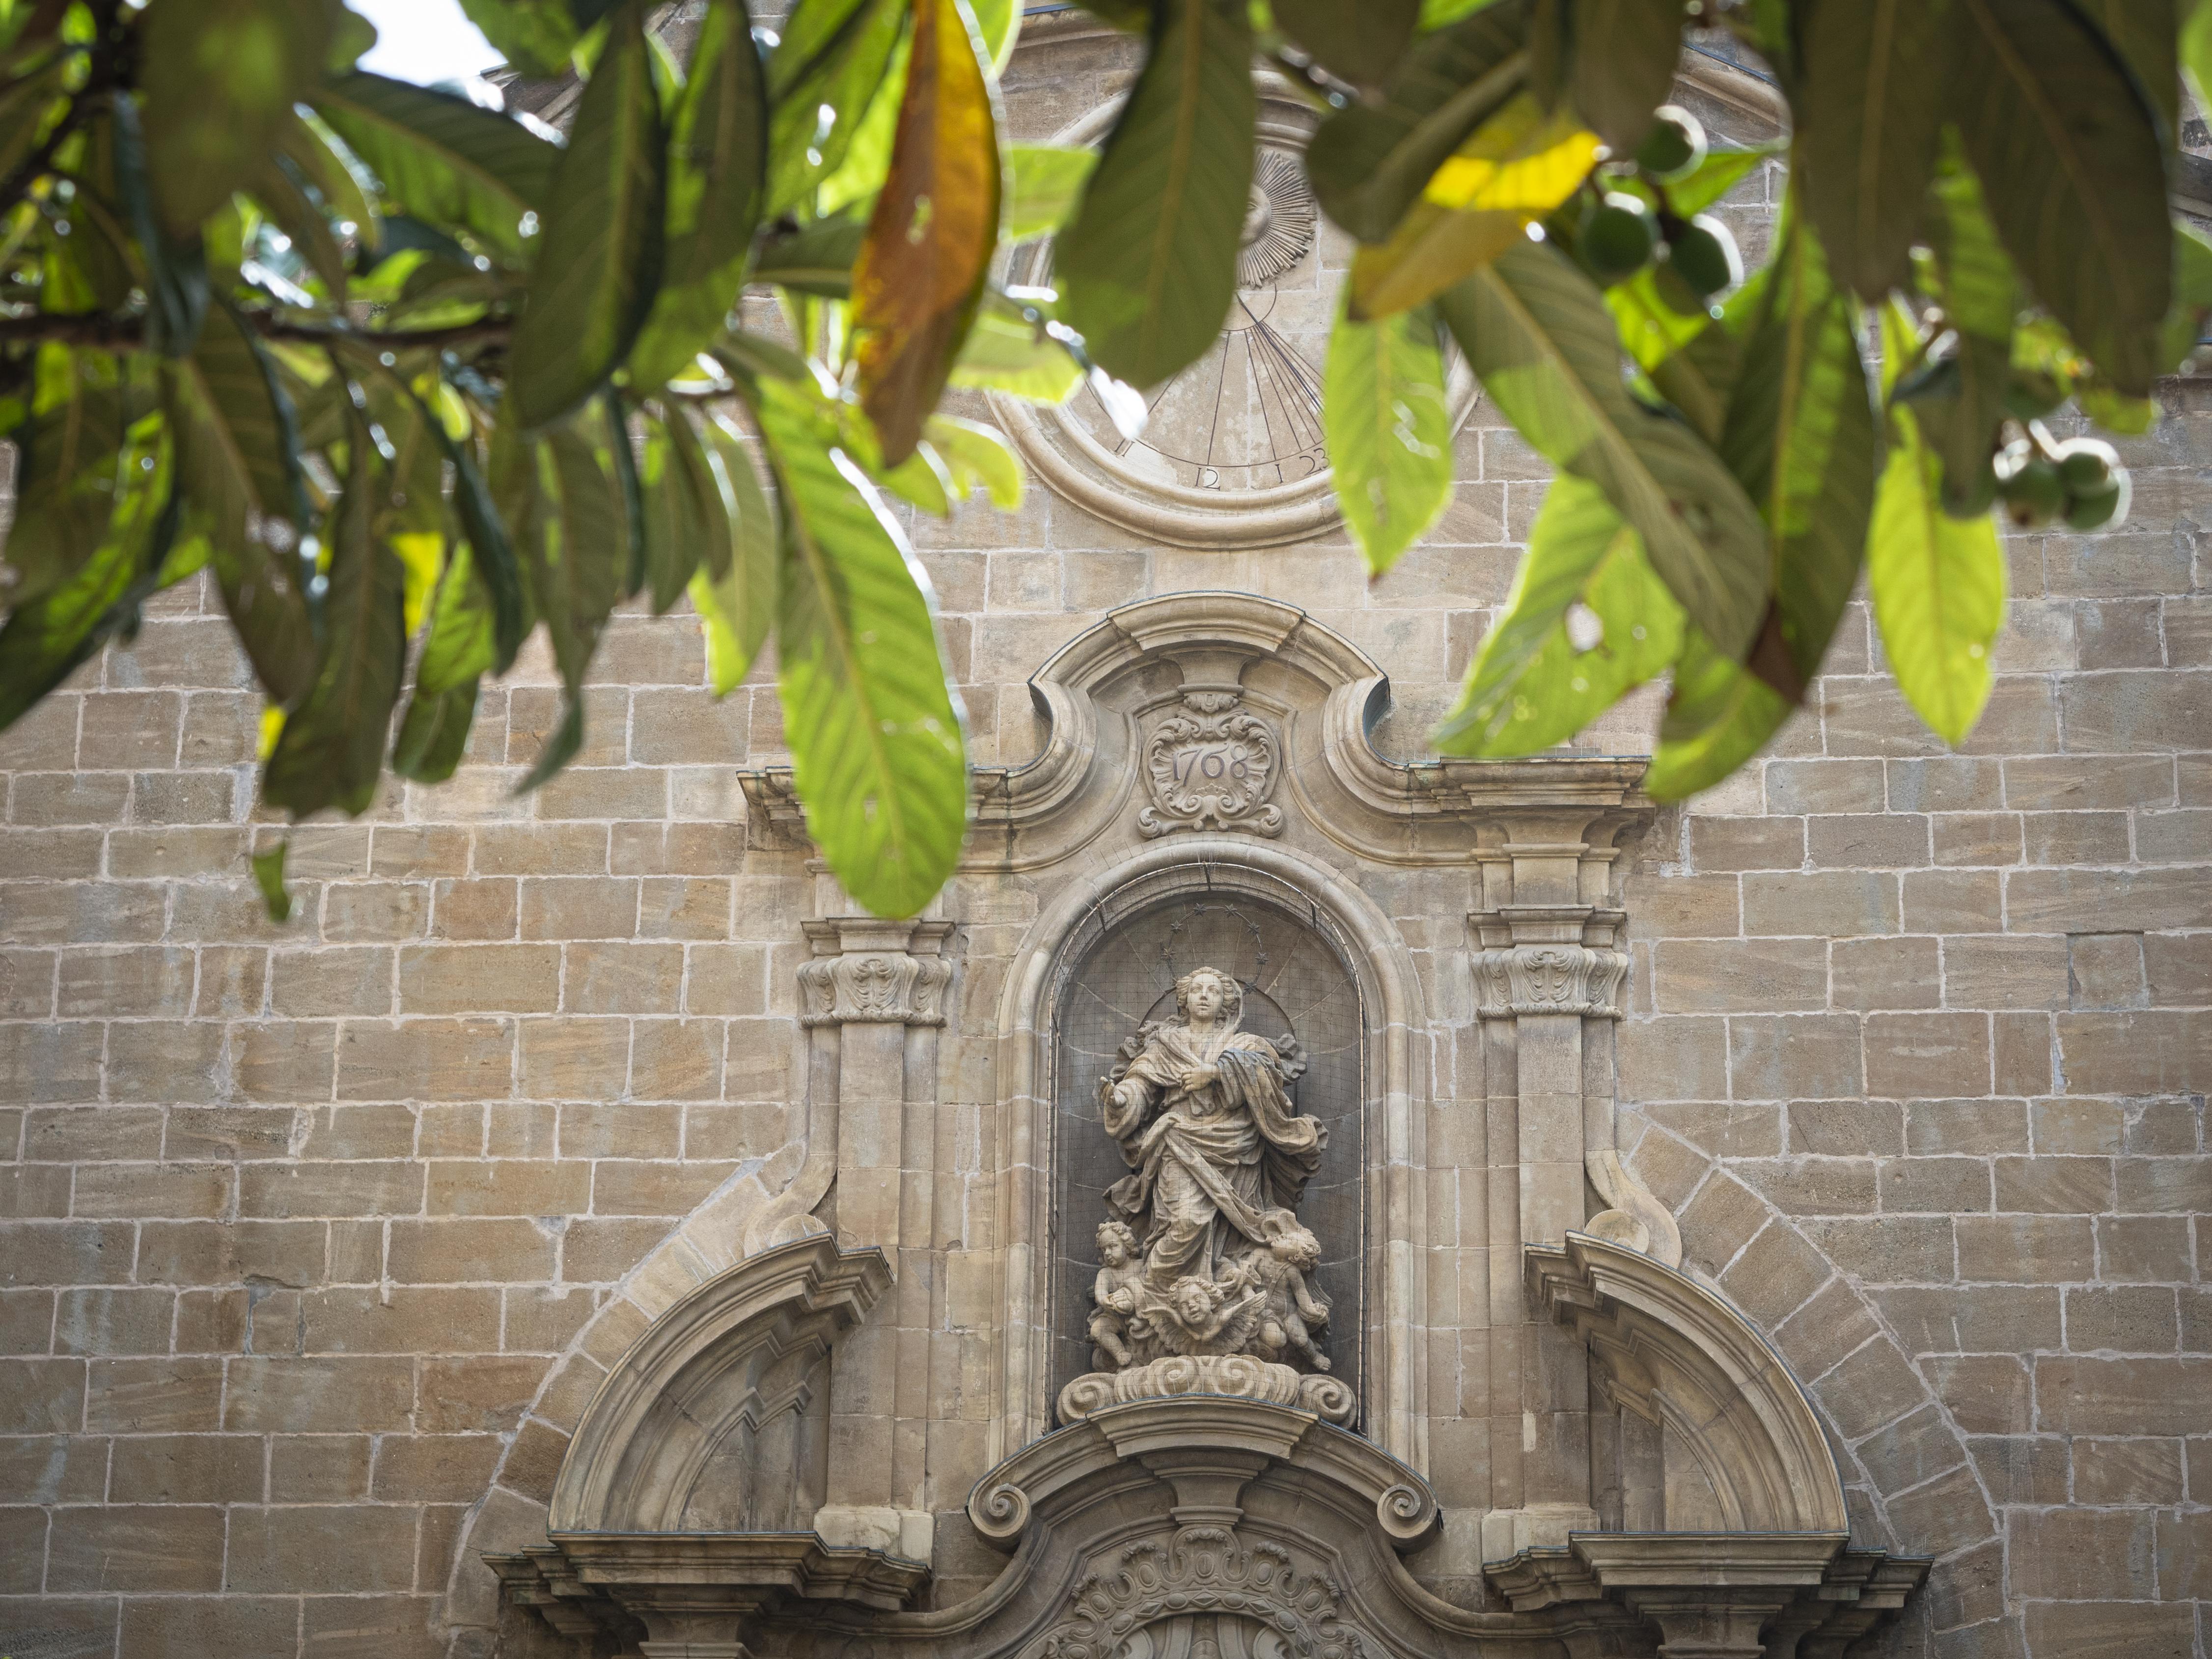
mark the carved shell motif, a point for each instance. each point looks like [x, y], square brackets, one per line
[1211, 764]
[1204, 1589]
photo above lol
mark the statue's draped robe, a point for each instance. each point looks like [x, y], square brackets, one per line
[1209, 1161]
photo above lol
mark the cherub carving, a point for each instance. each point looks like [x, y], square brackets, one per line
[1289, 1312]
[1115, 1293]
[1204, 1315]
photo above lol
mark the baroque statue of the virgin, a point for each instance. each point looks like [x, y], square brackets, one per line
[1203, 1253]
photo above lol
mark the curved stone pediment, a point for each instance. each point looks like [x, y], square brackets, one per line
[1683, 1359]
[747, 1348]
[1132, 706]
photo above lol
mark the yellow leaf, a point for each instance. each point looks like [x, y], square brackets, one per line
[929, 243]
[272, 727]
[1520, 165]
[420, 554]
[1519, 161]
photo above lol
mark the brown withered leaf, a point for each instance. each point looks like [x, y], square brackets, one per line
[929, 242]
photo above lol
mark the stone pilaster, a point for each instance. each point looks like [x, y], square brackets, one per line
[873, 1000]
[1548, 974]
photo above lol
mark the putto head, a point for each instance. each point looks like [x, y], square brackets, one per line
[1228, 997]
[1116, 1244]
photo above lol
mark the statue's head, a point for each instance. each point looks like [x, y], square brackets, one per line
[1296, 1248]
[1117, 1245]
[1194, 1299]
[1209, 996]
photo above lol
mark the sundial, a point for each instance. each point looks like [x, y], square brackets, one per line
[1232, 453]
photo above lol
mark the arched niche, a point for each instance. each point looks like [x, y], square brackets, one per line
[1379, 996]
[1299, 992]
[716, 1419]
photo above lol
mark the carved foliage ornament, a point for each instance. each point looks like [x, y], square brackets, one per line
[881, 986]
[1549, 979]
[1204, 1588]
[1211, 764]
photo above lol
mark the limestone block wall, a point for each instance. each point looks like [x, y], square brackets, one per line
[314, 1238]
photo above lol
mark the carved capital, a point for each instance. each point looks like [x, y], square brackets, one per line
[865, 971]
[1549, 979]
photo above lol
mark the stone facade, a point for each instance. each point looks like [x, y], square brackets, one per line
[320, 1238]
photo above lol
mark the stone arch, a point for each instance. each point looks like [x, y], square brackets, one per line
[515, 1510]
[1396, 1071]
[1872, 1398]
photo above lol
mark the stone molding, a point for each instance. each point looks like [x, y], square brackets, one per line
[1722, 1596]
[1235, 1377]
[1680, 1356]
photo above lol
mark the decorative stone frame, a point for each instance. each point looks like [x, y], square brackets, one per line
[1392, 1079]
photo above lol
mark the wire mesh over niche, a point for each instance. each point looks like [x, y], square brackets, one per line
[1295, 984]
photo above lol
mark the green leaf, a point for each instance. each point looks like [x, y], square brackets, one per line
[1624, 62]
[817, 260]
[80, 455]
[932, 232]
[735, 596]
[875, 732]
[1587, 621]
[576, 553]
[868, 159]
[443, 159]
[1720, 172]
[1980, 296]
[999, 23]
[833, 56]
[1538, 337]
[219, 78]
[1718, 716]
[717, 154]
[435, 734]
[2072, 167]
[1025, 355]
[460, 646]
[676, 514]
[330, 752]
[176, 270]
[1876, 72]
[1938, 582]
[599, 260]
[325, 163]
[45, 638]
[1360, 44]
[2193, 44]
[978, 457]
[1388, 431]
[238, 472]
[28, 110]
[1045, 183]
[1801, 438]
[536, 36]
[1368, 161]
[268, 877]
[1149, 263]
[2142, 32]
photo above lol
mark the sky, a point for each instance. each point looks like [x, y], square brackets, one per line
[424, 41]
